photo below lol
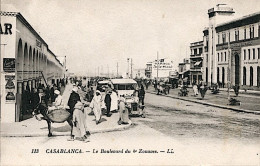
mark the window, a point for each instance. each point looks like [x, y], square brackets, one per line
[195, 51]
[218, 38]
[207, 57]
[245, 33]
[248, 54]
[251, 31]
[200, 50]
[244, 54]
[228, 36]
[244, 75]
[221, 57]
[218, 57]
[253, 53]
[223, 37]
[258, 50]
[236, 35]
[225, 56]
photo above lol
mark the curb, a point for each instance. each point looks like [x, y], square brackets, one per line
[119, 128]
[214, 105]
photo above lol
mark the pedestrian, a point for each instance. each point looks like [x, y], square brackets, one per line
[114, 101]
[141, 94]
[79, 128]
[73, 99]
[58, 103]
[123, 112]
[35, 98]
[195, 89]
[108, 102]
[95, 105]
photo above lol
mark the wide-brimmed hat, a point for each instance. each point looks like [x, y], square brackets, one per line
[97, 91]
[57, 92]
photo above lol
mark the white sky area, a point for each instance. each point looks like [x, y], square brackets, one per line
[100, 33]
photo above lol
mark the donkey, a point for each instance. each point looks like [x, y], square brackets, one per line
[40, 108]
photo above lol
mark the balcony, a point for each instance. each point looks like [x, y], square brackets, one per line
[200, 43]
[196, 56]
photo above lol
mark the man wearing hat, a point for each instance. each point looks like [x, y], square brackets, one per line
[58, 103]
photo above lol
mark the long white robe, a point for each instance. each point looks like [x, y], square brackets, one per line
[96, 106]
[114, 101]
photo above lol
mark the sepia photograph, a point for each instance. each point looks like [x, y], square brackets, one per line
[130, 82]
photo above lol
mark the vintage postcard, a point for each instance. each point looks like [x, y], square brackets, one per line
[130, 82]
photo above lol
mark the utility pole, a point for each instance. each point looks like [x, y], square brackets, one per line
[117, 69]
[108, 71]
[127, 67]
[131, 68]
[157, 65]
[98, 71]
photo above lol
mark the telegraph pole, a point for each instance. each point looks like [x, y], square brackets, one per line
[157, 64]
[108, 71]
[117, 69]
[131, 68]
[127, 67]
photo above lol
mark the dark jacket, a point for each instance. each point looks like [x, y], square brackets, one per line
[108, 99]
[74, 98]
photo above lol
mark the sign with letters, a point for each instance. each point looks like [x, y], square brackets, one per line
[9, 65]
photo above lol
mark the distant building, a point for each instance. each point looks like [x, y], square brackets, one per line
[148, 69]
[184, 70]
[196, 58]
[231, 48]
[139, 73]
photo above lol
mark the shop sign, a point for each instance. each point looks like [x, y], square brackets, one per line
[10, 88]
[9, 64]
[38, 44]
[250, 62]
[6, 29]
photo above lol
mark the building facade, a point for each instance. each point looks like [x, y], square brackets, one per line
[148, 69]
[196, 61]
[184, 71]
[232, 49]
[26, 62]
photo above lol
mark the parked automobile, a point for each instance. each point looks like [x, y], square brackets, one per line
[127, 88]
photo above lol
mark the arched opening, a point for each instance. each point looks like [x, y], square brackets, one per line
[258, 76]
[207, 73]
[30, 70]
[244, 75]
[19, 64]
[19, 67]
[223, 77]
[251, 76]
[237, 76]
[218, 75]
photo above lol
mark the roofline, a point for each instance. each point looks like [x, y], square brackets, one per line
[257, 15]
[28, 25]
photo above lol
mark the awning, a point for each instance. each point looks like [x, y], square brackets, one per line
[197, 63]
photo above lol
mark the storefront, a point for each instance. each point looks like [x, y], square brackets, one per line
[26, 62]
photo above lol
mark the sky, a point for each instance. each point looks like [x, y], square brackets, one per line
[102, 33]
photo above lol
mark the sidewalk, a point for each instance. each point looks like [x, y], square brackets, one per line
[34, 128]
[249, 102]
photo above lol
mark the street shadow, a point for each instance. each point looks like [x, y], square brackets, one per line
[102, 120]
[65, 128]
